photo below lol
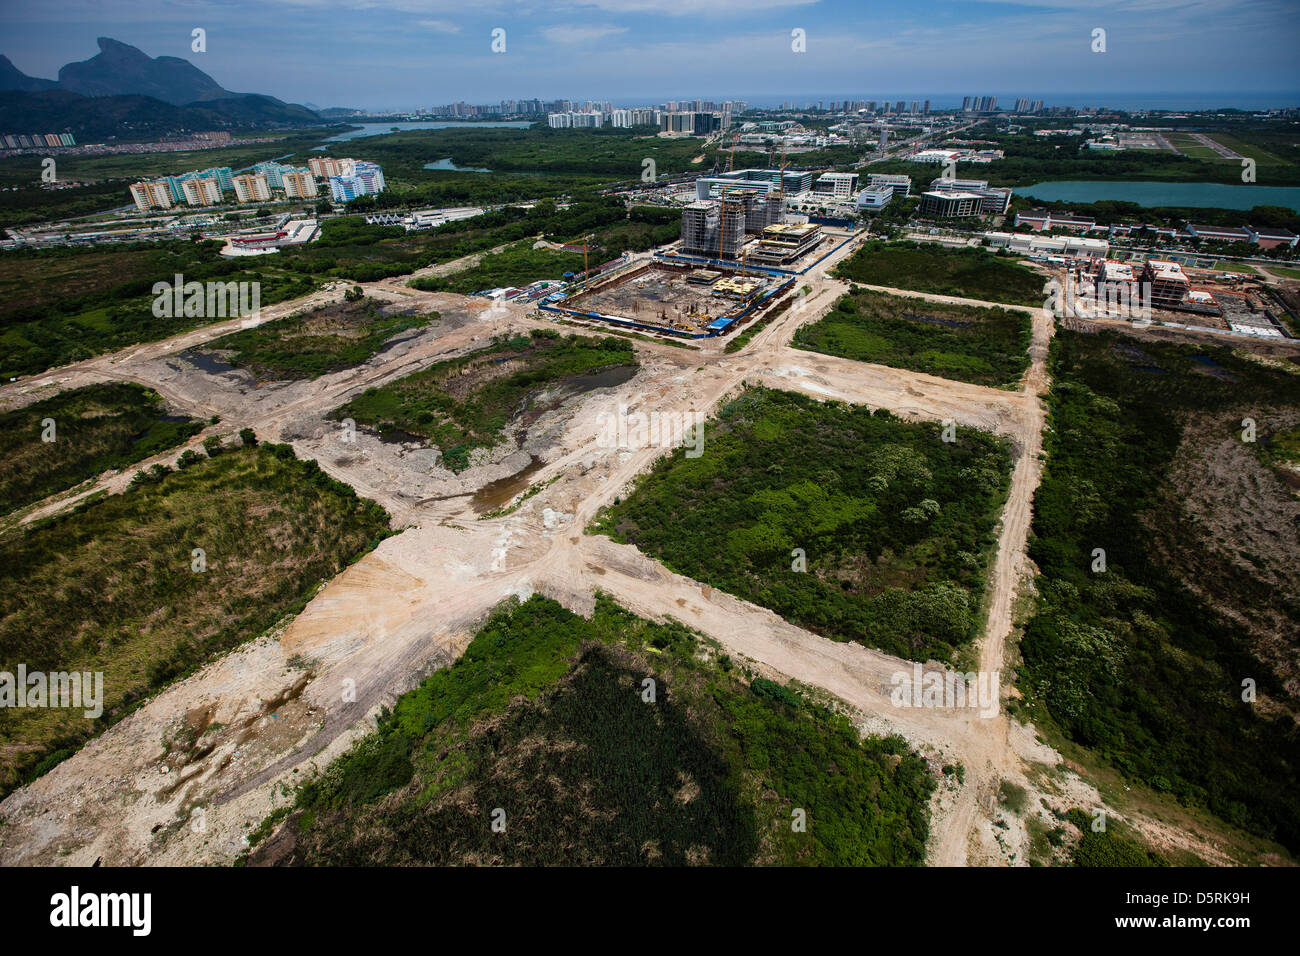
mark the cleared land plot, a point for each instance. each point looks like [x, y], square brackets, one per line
[895, 523]
[311, 344]
[465, 403]
[925, 267]
[982, 346]
[93, 429]
[1144, 659]
[112, 587]
[544, 717]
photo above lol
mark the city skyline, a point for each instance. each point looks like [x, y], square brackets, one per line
[639, 51]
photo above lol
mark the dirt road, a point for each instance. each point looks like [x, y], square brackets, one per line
[265, 714]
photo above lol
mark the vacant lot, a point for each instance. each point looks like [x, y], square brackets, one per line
[92, 429]
[518, 265]
[465, 403]
[983, 346]
[1169, 552]
[312, 344]
[924, 267]
[66, 305]
[895, 523]
[545, 728]
[118, 587]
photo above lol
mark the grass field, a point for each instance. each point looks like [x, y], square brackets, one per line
[1284, 272]
[112, 586]
[465, 403]
[925, 267]
[1142, 657]
[896, 524]
[311, 344]
[544, 727]
[983, 346]
[94, 429]
[518, 265]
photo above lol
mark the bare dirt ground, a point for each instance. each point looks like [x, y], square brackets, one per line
[185, 778]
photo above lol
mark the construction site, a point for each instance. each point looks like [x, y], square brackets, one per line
[676, 298]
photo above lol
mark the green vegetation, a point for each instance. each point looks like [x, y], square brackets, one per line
[927, 267]
[311, 344]
[1108, 848]
[544, 718]
[518, 265]
[983, 346]
[64, 305]
[539, 153]
[465, 403]
[112, 586]
[1144, 661]
[896, 524]
[95, 428]
[68, 304]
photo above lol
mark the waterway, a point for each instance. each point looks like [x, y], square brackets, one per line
[1194, 195]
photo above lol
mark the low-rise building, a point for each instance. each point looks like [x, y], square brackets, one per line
[902, 185]
[1036, 246]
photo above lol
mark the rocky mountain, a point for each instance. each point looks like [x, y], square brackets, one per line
[120, 68]
[123, 92]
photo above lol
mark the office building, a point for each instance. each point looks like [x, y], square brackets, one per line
[949, 204]
[715, 229]
[902, 185]
[840, 186]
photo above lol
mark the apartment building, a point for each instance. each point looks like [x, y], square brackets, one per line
[251, 187]
[298, 183]
[201, 191]
[152, 195]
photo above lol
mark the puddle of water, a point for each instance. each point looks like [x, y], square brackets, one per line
[607, 378]
[208, 362]
[495, 494]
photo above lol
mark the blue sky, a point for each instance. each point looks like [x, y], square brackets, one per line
[409, 53]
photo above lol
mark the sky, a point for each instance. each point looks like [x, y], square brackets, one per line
[405, 54]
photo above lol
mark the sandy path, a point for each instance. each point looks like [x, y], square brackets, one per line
[411, 605]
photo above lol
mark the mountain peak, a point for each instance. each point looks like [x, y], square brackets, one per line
[120, 68]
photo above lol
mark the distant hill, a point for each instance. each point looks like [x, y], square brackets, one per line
[135, 117]
[120, 68]
[124, 92]
[12, 78]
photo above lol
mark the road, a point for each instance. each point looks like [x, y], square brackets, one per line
[412, 604]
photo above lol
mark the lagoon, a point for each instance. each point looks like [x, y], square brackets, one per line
[1199, 195]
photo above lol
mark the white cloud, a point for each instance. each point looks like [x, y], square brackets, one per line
[580, 33]
[439, 26]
